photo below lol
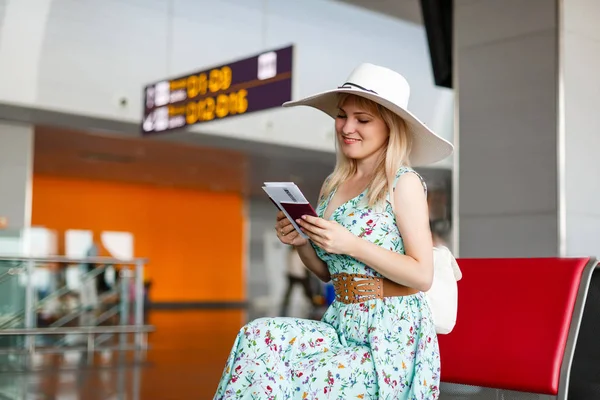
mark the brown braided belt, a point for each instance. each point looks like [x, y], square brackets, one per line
[356, 288]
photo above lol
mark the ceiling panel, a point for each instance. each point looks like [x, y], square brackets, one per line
[408, 10]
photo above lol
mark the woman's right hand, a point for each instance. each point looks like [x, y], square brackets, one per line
[286, 232]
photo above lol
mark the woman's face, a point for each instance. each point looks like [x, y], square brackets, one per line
[361, 133]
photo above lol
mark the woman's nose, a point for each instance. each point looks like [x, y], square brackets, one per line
[349, 127]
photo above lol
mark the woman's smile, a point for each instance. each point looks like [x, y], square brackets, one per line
[350, 140]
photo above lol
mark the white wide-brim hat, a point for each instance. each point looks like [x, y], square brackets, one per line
[391, 90]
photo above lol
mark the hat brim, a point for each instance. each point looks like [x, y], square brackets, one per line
[427, 147]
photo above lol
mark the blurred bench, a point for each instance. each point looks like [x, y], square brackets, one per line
[527, 325]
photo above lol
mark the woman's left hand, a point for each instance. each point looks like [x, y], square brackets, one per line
[328, 235]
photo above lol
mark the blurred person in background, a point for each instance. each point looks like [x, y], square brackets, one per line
[297, 274]
[371, 239]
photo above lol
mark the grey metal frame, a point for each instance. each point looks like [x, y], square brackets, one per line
[578, 309]
[561, 132]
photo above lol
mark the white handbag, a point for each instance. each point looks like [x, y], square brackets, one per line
[443, 294]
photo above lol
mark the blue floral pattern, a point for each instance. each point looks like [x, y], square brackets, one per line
[377, 349]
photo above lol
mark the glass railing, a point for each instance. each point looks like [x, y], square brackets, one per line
[58, 304]
[12, 294]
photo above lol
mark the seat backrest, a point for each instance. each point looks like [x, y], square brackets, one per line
[513, 323]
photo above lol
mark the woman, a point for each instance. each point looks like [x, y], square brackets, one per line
[377, 340]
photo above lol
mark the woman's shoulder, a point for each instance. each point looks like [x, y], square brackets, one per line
[403, 171]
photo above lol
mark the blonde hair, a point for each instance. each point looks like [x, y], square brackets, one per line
[395, 156]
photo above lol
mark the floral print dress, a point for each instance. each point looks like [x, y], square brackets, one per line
[378, 349]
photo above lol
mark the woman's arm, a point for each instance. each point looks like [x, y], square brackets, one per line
[415, 268]
[309, 257]
[288, 235]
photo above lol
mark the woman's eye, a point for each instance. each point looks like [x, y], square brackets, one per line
[341, 116]
[363, 121]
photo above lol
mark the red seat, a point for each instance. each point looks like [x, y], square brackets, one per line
[514, 323]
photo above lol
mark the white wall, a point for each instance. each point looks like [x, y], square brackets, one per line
[81, 56]
[581, 62]
[506, 54]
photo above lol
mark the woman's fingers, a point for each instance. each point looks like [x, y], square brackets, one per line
[315, 221]
[315, 239]
[284, 227]
[310, 229]
[290, 237]
[287, 229]
[314, 229]
[280, 216]
[284, 224]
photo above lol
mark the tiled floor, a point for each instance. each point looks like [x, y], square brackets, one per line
[188, 352]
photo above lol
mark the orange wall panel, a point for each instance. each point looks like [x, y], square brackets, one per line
[193, 239]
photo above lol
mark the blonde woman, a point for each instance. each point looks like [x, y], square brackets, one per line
[372, 240]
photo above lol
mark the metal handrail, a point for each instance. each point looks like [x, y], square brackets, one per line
[68, 260]
[79, 330]
[57, 350]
